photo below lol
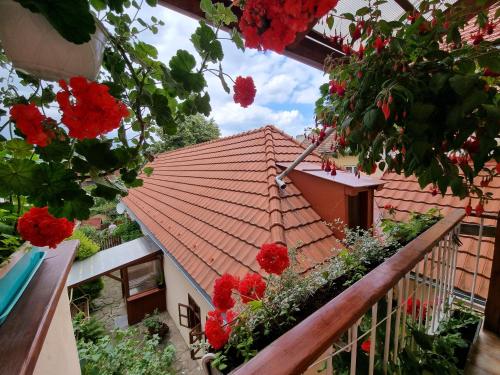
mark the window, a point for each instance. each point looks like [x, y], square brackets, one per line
[351, 169]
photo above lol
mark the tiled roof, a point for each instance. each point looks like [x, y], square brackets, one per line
[405, 195]
[214, 204]
[472, 28]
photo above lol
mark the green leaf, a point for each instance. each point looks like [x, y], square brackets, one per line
[17, 176]
[236, 38]
[223, 81]
[181, 66]
[421, 112]
[461, 84]
[162, 112]
[98, 5]
[55, 151]
[148, 171]
[329, 21]
[71, 19]
[370, 118]
[206, 44]
[97, 153]
[146, 50]
[466, 66]
[19, 148]
[490, 59]
[76, 205]
[151, 3]
[437, 82]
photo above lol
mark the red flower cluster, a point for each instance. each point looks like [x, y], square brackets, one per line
[216, 330]
[42, 229]
[273, 258]
[33, 124]
[223, 289]
[337, 88]
[365, 346]
[244, 91]
[274, 24]
[252, 287]
[88, 109]
[409, 308]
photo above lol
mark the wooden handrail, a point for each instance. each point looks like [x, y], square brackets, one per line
[294, 351]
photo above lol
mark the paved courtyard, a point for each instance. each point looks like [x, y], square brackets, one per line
[110, 310]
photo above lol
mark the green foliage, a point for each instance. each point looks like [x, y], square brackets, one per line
[128, 230]
[126, 354]
[72, 20]
[404, 232]
[90, 232]
[87, 329]
[194, 129]
[435, 98]
[159, 96]
[91, 289]
[9, 240]
[87, 247]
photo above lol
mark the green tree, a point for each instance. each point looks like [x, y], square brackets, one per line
[194, 129]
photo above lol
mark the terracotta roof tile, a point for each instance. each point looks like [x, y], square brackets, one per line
[405, 195]
[212, 205]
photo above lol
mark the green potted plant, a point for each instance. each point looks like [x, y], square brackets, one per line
[155, 326]
[34, 46]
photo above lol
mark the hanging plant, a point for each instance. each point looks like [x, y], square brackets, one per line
[54, 140]
[418, 96]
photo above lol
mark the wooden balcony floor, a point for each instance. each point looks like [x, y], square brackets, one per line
[484, 358]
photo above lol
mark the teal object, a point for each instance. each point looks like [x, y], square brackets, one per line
[13, 284]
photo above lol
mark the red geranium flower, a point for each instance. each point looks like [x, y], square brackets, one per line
[88, 108]
[409, 308]
[252, 287]
[42, 229]
[365, 346]
[273, 258]
[274, 24]
[223, 289]
[244, 91]
[33, 124]
[216, 330]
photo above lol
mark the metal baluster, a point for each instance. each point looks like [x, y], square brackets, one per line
[387, 330]
[373, 337]
[429, 288]
[456, 230]
[422, 291]
[476, 267]
[354, 346]
[442, 253]
[449, 290]
[398, 318]
[405, 308]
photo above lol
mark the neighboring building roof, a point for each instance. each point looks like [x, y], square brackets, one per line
[405, 195]
[472, 28]
[326, 147]
[214, 204]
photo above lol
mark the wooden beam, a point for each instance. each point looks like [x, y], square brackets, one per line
[469, 7]
[492, 311]
[406, 5]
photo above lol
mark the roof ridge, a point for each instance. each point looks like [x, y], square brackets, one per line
[276, 226]
[218, 139]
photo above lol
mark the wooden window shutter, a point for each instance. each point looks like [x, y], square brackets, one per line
[196, 335]
[184, 315]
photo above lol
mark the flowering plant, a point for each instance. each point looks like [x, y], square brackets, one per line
[53, 142]
[417, 95]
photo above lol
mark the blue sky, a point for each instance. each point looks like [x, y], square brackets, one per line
[286, 89]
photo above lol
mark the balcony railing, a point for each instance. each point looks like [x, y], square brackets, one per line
[423, 270]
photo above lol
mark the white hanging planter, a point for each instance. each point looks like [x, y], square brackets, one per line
[36, 48]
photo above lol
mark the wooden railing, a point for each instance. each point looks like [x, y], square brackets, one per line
[424, 270]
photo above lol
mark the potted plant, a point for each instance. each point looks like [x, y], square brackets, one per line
[155, 326]
[35, 47]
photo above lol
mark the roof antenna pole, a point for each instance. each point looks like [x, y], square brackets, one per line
[279, 178]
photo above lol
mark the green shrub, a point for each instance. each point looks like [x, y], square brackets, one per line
[128, 230]
[87, 329]
[91, 232]
[92, 289]
[87, 247]
[125, 354]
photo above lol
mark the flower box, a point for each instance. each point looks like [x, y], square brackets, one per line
[36, 48]
[16, 279]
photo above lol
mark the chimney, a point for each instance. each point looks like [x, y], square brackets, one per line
[344, 196]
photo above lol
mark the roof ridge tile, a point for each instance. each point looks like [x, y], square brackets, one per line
[276, 225]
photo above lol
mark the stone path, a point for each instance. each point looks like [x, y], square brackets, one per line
[110, 310]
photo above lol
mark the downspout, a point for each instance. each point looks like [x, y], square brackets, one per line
[279, 178]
